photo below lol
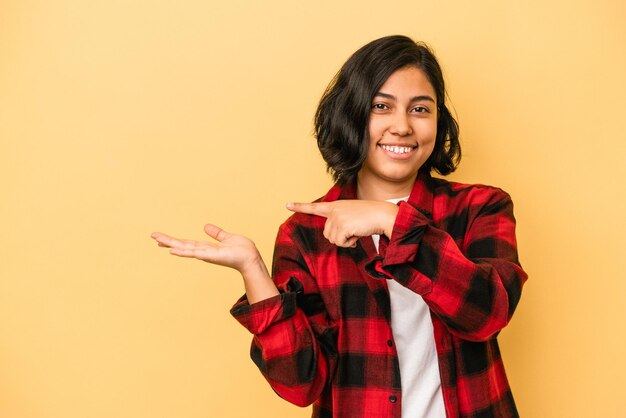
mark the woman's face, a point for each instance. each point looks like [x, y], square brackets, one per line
[402, 131]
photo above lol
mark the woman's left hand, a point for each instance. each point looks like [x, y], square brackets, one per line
[348, 220]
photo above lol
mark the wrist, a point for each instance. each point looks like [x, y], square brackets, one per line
[390, 218]
[253, 266]
[257, 281]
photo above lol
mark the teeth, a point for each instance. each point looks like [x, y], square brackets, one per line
[396, 149]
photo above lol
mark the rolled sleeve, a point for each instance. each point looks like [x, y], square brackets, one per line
[404, 245]
[257, 317]
[406, 236]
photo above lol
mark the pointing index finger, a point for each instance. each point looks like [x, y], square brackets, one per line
[319, 209]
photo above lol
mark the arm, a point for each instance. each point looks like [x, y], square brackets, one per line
[294, 343]
[474, 287]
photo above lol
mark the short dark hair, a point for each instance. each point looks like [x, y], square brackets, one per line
[342, 117]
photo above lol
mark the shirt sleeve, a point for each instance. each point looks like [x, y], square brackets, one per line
[473, 284]
[294, 343]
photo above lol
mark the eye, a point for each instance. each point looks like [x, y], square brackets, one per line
[380, 106]
[420, 109]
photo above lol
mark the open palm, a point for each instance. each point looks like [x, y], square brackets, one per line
[230, 250]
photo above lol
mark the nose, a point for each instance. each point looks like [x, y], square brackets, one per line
[400, 125]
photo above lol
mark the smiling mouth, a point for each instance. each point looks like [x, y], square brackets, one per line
[397, 149]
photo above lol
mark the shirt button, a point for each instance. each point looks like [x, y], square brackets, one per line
[390, 343]
[393, 399]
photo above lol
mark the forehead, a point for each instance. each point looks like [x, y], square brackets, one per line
[408, 81]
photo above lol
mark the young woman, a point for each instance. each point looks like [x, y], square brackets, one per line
[387, 294]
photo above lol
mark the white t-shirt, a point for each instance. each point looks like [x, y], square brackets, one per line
[413, 334]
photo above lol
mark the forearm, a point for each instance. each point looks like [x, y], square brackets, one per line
[294, 342]
[474, 297]
[474, 289]
[257, 281]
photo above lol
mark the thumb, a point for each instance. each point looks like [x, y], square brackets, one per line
[216, 232]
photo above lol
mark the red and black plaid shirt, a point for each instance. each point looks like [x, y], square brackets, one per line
[327, 340]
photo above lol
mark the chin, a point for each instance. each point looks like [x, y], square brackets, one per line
[396, 177]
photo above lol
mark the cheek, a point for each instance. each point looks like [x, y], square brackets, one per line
[428, 134]
[376, 129]
[431, 144]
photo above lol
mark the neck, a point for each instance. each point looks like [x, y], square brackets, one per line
[371, 189]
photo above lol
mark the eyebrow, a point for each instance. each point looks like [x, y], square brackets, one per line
[413, 99]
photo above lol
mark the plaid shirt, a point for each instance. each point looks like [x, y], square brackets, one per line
[327, 340]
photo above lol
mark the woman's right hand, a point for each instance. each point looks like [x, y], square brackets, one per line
[230, 250]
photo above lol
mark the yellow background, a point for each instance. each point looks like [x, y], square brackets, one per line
[118, 118]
